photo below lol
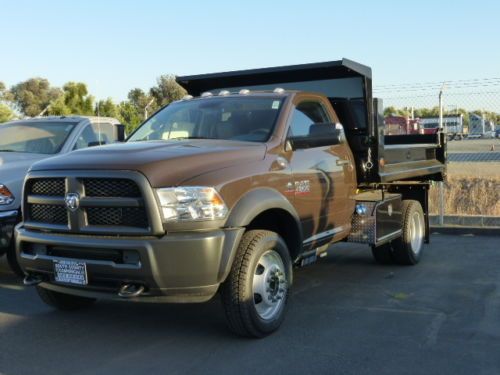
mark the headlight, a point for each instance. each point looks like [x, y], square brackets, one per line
[191, 203]
[6, 196]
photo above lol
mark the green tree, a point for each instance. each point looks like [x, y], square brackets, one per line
[166, 90]
[5, 95]
[140, 100]
[106, 108]
[75, 101]
[129, 116]
[34, 95]
[6, 113]
[77, 98]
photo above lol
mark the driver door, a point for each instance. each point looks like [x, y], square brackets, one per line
[322, 186]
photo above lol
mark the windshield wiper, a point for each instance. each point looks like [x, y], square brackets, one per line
[8, 151]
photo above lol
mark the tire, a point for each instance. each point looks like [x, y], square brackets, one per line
[255, 294]
[383, 254]
[12, 260]
[407, 249]
[63, 301]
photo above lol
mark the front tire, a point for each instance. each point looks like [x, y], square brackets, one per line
[407, 249]
[255, 293]
[62, 301]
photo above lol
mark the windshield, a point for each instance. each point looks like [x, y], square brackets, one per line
[237, 118]
[36, 137]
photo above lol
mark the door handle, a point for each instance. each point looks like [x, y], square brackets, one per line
[343, 162]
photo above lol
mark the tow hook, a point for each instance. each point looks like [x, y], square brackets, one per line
[131, 290]
[32, 280]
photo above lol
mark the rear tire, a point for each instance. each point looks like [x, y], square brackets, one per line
[383, 253]
[408, 248]
[63, 301]
[255, 293]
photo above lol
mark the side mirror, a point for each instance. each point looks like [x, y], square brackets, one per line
[320, 134]
[120, 133]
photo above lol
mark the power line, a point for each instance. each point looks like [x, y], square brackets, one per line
[463, 82]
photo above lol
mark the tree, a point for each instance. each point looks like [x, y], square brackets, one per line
[75, 100]
[5, 95]
[106, 108]
[34, 95]
[140, 100]
[129, 116]
[166, 90]
[6, 113]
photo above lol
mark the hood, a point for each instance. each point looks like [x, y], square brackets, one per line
[13, 169]
[164, 163]
[14, 165]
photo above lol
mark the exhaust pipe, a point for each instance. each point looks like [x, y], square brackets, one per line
[32, 280]
[131, 290]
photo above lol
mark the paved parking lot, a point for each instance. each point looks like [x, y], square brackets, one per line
[347, 316]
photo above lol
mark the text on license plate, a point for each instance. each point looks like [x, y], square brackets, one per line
[70, 272]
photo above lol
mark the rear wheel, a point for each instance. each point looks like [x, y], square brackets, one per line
[407, 249]
[63, 301]
[256, 291]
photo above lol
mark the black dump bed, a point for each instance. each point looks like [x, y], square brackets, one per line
[348, 86]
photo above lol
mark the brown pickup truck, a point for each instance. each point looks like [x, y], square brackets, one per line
[226, 192]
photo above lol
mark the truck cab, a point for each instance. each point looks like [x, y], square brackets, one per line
[226, 191]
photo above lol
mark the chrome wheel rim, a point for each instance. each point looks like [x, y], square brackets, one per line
[416, 232]
[269, 285]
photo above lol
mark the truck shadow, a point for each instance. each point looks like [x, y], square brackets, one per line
[115, 336]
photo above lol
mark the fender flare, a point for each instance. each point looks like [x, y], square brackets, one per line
[246, 209]
[258, 201]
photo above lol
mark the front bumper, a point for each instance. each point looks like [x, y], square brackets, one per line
[178, 267]
[8, 219]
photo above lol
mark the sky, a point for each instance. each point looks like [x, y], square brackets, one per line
[114, 46]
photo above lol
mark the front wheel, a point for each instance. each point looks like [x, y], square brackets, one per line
[256, 291]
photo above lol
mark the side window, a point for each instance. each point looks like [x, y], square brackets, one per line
[105, 132]
[96, 134]
[86, 139]
[304, 115]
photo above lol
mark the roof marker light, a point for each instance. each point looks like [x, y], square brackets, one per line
[279, 90]
[187, 97]
[207, 94]
[224, 93]
[244, 92]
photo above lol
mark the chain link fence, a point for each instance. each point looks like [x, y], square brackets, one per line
[472, 188]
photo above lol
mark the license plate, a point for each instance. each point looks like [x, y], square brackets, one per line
[70, 272]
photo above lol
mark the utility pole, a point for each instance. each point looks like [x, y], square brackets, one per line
[146, 108]
[441, 185]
